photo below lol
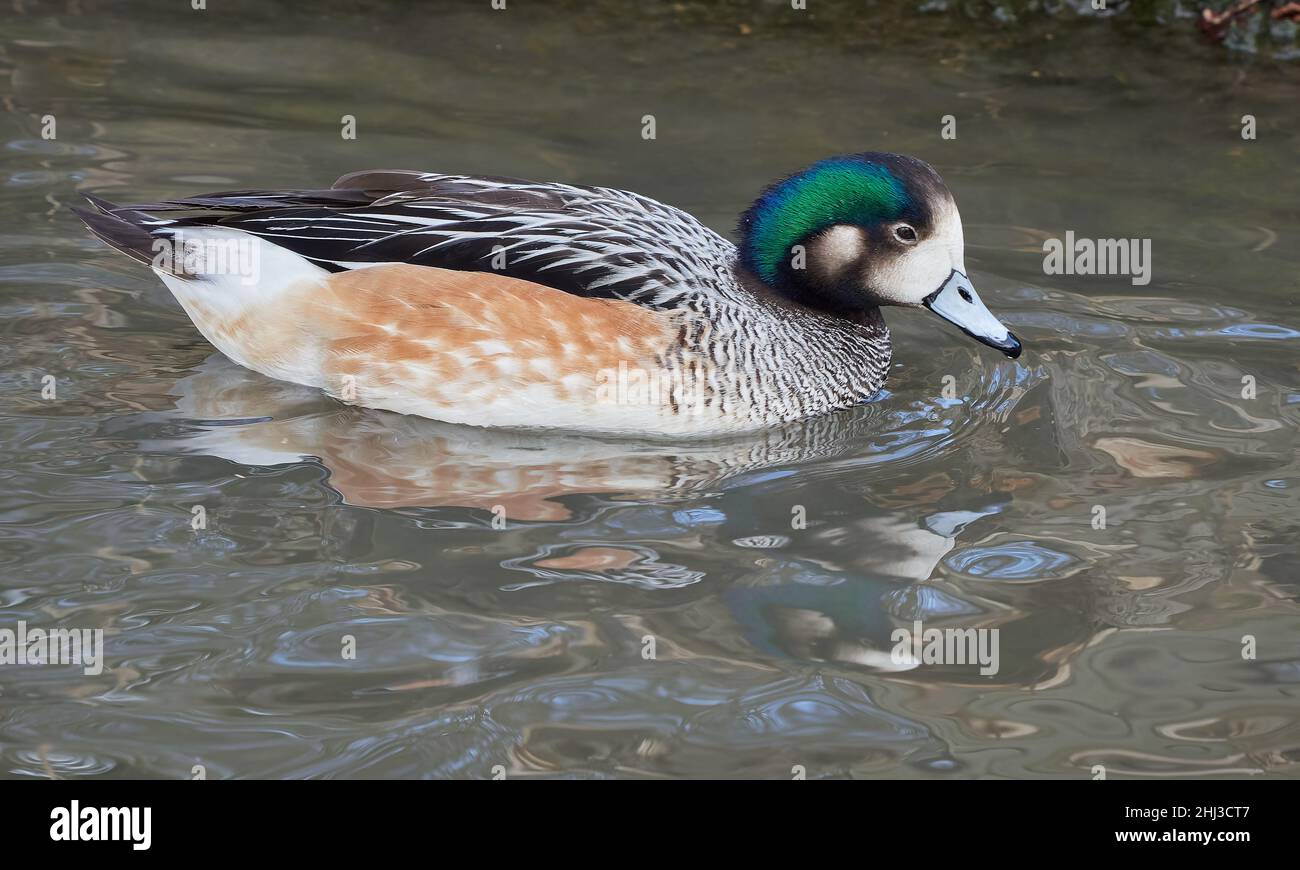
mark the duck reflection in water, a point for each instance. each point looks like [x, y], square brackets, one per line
[813, 609]
[816, 611]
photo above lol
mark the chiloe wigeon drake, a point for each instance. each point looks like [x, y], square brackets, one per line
[498, 302]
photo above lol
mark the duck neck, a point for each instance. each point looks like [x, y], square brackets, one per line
[790, 361]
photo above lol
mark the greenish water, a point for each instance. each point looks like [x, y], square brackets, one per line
[523, 646]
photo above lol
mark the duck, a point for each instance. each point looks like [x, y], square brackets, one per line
[497, 302]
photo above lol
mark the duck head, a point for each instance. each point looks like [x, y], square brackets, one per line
[850, 234]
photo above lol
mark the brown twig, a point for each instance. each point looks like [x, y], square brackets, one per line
[1215, 24]
[1287, 10]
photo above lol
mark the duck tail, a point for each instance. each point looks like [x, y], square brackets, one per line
[130, 231]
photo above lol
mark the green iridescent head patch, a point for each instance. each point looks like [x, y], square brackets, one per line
[841, 190]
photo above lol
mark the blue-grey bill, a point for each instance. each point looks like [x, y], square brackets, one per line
[958, 303]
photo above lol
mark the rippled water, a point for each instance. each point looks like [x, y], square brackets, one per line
[523, 646]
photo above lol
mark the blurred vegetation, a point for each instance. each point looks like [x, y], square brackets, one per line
[1251, 26]
[1259, 27]
[1264, 28]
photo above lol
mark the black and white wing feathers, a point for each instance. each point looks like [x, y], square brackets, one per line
[590, 241]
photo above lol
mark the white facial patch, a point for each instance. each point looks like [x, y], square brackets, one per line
[835, 250]
[913, 273]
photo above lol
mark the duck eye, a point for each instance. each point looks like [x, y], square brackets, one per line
[905, 234]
